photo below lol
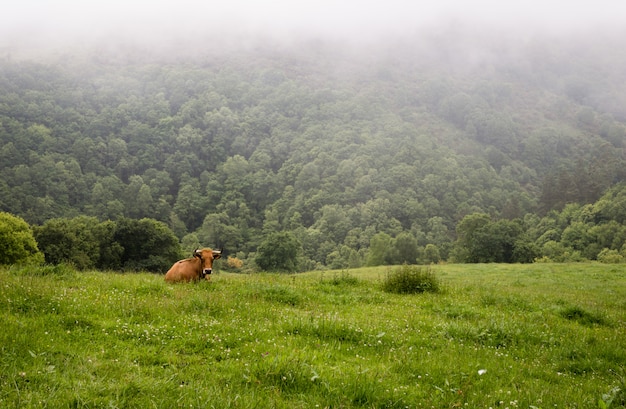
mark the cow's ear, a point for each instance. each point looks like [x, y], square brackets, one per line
[197, 253]
[217, 254]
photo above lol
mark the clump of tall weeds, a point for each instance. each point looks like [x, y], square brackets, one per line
[411, 279]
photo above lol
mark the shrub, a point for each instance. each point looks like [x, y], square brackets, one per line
[411, 280]
[17, 243]
[233, 263]
[610, 257]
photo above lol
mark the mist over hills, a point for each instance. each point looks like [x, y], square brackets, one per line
[335, 141]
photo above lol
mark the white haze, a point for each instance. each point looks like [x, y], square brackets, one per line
[60, 23]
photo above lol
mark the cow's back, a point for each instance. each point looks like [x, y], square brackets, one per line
[184, 270]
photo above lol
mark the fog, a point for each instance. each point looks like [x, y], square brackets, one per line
[63, 23]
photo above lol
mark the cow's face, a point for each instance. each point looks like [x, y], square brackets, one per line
[206, 257]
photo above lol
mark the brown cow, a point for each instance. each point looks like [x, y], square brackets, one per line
[193, 269]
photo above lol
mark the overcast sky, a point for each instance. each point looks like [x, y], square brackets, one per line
[37, 21]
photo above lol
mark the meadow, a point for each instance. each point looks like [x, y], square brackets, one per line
[494, 336]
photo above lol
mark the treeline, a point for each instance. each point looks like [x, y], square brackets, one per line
[86, 243]
[343, 152]
[577, 233]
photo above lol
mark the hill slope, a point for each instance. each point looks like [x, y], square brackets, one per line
[334, 142]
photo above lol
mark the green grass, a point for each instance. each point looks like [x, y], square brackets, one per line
[499, 336]
[408, 279]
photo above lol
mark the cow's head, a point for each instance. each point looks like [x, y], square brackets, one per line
[206, 257]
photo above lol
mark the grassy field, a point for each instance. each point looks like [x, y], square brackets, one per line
[495, 336]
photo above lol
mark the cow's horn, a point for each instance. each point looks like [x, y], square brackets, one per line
[197, 253]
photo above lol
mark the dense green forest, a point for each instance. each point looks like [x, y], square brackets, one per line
[442, 147]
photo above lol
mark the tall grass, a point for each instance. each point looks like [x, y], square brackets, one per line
[499, 336]
[408, 279]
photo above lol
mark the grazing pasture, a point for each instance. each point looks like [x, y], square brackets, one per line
[493, 336]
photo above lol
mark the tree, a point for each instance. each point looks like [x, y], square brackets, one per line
[217, 230]
[611, 235]
[484, 241]
[190, 206]
[406, 250]
[17, 243]
[467, 231]
[147, 245]
[139, 202]
[82, 241]
[612, 205]
[279, 252]
[431, 254]
[578, 238]
[344, 257]
[70, 241]
[110, 250]
[380, 245]
[495, 242]
[333, 223]
[249, 152]
[525, 251]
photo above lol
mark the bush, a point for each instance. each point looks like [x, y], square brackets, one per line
[411, 280]
[17, 243]
[233, 263]
[610, 257]
[543, 259]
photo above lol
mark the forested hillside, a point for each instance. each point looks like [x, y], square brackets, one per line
[336, 144]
